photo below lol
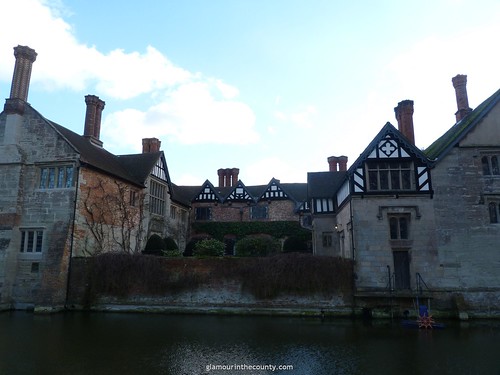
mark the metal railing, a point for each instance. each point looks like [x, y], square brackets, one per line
[391, 280]
[420, 283]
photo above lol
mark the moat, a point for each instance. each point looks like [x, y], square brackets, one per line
[119, 343]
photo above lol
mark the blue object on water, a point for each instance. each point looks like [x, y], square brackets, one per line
[423, 311]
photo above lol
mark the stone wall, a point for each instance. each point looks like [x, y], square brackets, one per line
[33, 278]
[468, 243]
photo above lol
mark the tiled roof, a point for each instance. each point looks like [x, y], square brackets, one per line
[324, 184]
[140, 165]
[130, 168]
[457, 132]
[295, 191]
[184, 194]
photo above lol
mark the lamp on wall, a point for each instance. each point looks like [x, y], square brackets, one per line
[338, 227]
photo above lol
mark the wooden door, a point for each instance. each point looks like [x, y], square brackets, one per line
[401, 269]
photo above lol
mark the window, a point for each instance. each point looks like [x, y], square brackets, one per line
[327, 239]
[324, 205]
[490, 165]
[157, 196]
[494, 211]
[173, 212]
[31, 241]
[133, 198]
[258, 212]
[56, 177]
[390, 175]
[203, 213]
[159, 170]
[399, 227]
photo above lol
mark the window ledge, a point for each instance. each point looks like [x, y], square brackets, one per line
[401, 243]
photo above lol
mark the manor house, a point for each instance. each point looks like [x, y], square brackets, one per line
[411, 219]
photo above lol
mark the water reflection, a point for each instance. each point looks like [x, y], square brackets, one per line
[79, 343]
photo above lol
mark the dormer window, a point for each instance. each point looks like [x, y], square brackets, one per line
[390, 175]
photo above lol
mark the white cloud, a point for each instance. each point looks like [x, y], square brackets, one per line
[188, 107]
[261, 171]
[191, 114]
[301, 118]
[425, 71]
[64, 62]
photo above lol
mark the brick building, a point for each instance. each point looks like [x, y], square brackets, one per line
[232, 201]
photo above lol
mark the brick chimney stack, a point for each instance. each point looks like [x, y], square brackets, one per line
[342, 163]
[404, 115]
[460, 85]
[337, 163]
[25, 57]
[92, 129]
[228, 176]
[150, 145]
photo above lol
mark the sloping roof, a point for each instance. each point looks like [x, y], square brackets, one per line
[457, 132]
[296, 191]
[184, 194]
[324, 184]
[389, 129]
[97, 157]
[127, 168]
[139, 166]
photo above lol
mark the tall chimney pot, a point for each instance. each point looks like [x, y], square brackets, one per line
[460, 85]
[404, 115]
[92, 129]
[333, 162]
[343, 163]
[228, 176]
[25, 57]
[337, 163]
[150, 145]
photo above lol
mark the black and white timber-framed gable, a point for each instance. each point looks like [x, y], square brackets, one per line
[389, 165]
[239, 194]
[274, 191]
[208, 193]
[160, 169]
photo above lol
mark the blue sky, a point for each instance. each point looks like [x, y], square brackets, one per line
[270, 87]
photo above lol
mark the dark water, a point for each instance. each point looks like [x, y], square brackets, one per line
[106, 343]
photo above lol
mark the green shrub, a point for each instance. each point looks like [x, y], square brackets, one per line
[257, 246]
[155, 245]
[295, 244]
[209, 248]
[188, 252]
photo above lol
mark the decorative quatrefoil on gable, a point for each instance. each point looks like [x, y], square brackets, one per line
[388, 147]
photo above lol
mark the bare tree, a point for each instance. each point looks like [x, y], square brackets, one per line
[113, 212]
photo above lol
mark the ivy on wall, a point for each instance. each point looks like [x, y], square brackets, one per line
[277, 229]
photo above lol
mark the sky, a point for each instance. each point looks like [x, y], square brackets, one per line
[272, 87]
